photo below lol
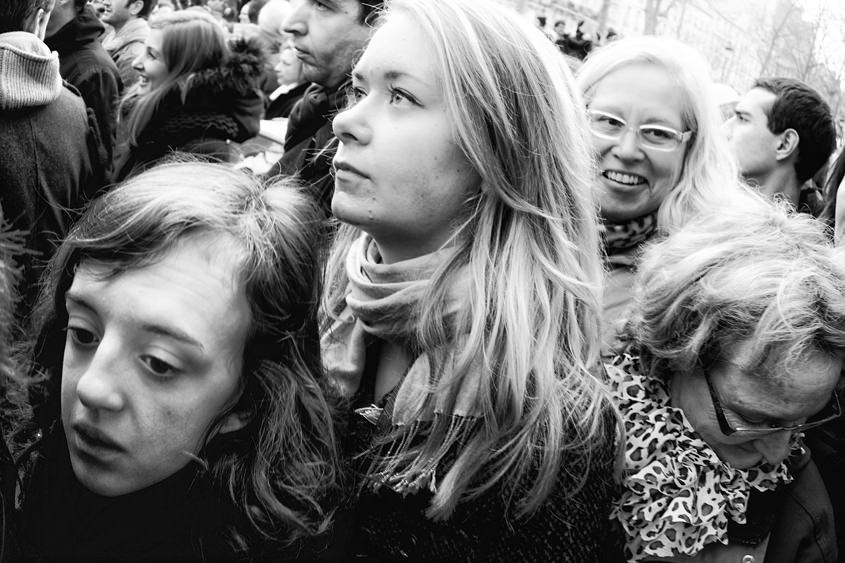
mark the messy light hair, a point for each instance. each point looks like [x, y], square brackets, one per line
[277, 470]
[753, 273]
[529, 244]
[709, 173]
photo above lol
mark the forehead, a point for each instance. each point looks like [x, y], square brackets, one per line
[196, 285]
[640, 89]
[211, 258]
[155, 38]
[783, 388]
[351, 8]
[399, 46]
[757, 101]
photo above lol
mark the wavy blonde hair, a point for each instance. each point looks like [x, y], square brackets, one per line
[529, 244]
[709, 176]
[755, 272]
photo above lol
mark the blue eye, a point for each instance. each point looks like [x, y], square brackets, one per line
[397, 95]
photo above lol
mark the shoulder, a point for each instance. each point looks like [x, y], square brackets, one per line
[804, 526]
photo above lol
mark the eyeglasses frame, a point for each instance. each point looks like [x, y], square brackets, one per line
[680, 136]
[729, 430]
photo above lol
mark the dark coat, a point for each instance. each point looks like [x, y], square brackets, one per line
[86, 64]
[219, 105]
[803, 531]
[310, 142]
[383, 525]
[177, 519]
[828, 446]
[45, 170]
[284, 104]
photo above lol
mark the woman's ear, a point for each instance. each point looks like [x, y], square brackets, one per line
[233, 421]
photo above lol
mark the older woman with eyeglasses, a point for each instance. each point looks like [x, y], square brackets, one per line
[661, 156]
[734, 347]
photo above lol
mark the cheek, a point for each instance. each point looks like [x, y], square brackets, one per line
[601, 148]
[668, 169]
[71, 372]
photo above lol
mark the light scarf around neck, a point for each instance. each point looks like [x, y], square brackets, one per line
[385, 301]
[678, 496]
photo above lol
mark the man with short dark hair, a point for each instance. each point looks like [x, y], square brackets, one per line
[327, 36]
[74, 32]
[45, 139]
[782, 132]
[125, 41]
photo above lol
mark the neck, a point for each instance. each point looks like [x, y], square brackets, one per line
[396, 251]
[119, 26]
[781, 183]
[59, 19]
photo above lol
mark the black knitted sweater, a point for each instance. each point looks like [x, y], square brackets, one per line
[381, 525]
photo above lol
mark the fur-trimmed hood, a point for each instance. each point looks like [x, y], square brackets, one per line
[231, 89]
[222, 102]
[214, 106]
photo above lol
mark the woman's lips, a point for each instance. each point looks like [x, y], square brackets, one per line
[94, 442]
[624, 178]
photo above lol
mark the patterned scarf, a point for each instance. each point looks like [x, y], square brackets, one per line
[621, 237]
[383, 301]
[678, 495]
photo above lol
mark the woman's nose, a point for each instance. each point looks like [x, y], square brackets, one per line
[98, 386]
[350, 125]
[775, 447]
[627, 146]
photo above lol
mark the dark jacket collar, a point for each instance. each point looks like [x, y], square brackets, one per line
[173, 520]
[85, 28]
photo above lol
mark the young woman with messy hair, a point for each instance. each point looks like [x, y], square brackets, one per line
[184, 414]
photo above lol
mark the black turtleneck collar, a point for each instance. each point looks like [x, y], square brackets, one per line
[178, 519]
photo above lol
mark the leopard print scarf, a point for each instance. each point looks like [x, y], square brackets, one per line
[678, 495]
[627, 235]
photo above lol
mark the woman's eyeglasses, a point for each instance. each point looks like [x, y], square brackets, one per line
[658, 137]
[830, 412]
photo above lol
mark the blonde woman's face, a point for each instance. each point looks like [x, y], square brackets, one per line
[634, 180]
[401, 175]
[150, 65]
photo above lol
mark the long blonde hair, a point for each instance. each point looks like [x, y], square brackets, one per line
[529, 244]
[709, 176]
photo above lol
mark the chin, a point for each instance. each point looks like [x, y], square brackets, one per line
[742, 460]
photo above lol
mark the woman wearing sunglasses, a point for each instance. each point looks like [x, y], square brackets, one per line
[661, 156]
[734, 348]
